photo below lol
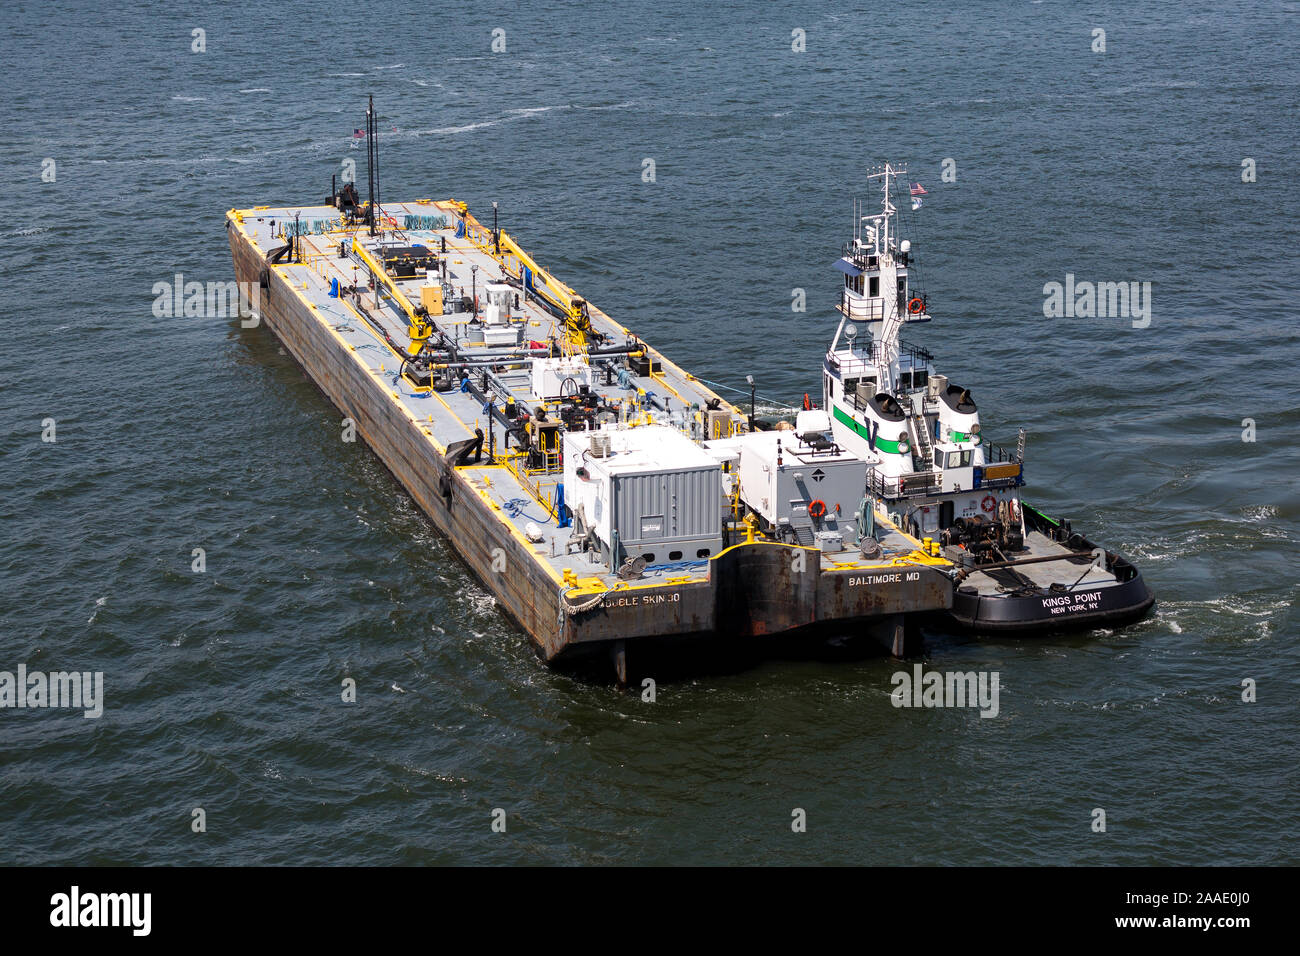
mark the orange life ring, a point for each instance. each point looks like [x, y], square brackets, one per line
[816, 508]
[916, 306]
[989, 503]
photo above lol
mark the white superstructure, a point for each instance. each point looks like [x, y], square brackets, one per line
[921, 434]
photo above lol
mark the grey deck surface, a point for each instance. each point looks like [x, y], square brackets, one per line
[1073, 574]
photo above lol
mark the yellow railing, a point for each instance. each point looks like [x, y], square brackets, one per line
[514, 462]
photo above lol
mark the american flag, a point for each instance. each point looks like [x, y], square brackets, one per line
[918, 190]
[357, 134]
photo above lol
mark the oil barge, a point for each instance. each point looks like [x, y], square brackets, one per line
[1018, 570]
[601, 493]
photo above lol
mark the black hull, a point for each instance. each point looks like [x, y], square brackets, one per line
[1115, 606]
[1050, 612]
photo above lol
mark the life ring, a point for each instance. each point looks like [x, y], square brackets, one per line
[816, 508]
[916, 306]
[1013, 510]
[989, 503]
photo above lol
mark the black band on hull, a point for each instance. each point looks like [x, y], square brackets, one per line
[1049, 612]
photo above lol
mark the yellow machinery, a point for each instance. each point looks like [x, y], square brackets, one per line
[546, 444]
[714, 423]
[418, 326]
[431, 299]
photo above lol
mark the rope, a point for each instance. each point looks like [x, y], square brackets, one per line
[515, 509]
[573, 611]
[740, 391]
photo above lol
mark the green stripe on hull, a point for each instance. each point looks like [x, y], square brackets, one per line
[861, 430]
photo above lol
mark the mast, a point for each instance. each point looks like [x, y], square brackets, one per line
[877, 273]
[372, 157]
[886, 351]
[888, 209]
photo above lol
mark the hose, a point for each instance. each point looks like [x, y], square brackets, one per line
[515, 509]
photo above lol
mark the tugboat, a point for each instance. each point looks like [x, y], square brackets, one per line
[932, 474]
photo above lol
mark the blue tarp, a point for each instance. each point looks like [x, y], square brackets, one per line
[847, 267]
[561, 511]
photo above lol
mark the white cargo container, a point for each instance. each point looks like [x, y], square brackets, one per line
[781, 475]
[655, 494]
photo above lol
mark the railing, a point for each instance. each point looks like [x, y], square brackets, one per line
[862, 257]
[873, 310]
[997, 453]
[820, 450]
[852, 364]
[921, 435]
[871, 351]
[870, 310]
[915, 485]
[909, 316]
[516, 464]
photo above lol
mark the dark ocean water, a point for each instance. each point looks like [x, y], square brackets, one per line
[223, 688]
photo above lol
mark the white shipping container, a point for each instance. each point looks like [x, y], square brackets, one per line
[782, 492]
[657, 490]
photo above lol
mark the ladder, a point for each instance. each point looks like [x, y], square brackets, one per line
[921, 430]
[1020, 447]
